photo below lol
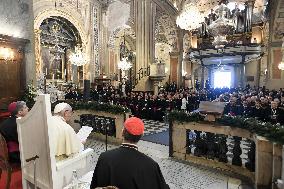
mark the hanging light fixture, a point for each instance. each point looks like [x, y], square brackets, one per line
[78, 58]
[6, 54]
[124, 64]
[190, 17]
[281, 65]
[221, 27]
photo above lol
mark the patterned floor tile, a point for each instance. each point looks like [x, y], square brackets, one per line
[154, 127]
[177, 174]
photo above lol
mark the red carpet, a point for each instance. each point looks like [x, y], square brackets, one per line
[16, 180]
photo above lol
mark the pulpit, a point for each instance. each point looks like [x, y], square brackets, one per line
[34, 139]
[211, 110]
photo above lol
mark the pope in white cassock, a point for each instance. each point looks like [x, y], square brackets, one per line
[64, 137]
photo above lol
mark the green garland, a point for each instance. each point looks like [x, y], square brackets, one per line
[272, 132]
[182, 117]
[96, 106]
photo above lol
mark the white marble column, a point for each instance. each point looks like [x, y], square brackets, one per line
[145, 11]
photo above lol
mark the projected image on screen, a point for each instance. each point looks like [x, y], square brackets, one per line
[222, 79]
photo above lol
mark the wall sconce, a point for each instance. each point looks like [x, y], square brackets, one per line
[6, 54]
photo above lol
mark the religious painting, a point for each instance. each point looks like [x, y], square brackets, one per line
[53, 66]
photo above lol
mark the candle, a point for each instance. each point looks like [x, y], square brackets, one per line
[45, 71]
[52, 76]
[64, 72]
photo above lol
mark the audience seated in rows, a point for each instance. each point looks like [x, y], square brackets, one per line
[249, 102]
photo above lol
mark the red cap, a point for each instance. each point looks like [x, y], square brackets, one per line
[12, 107]
[134, 126]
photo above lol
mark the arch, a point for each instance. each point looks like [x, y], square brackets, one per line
[45, 9]
[60, 13]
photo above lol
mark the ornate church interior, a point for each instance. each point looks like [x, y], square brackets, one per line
[206, 77]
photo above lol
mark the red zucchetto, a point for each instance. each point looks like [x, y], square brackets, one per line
[134, 126]
[12, 107]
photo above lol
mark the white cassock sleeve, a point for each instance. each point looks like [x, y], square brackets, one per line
[64, 137]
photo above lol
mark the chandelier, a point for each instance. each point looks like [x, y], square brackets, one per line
[190, 17]
[221, 27]
[281, 65]
[78, 57]
[124, 65]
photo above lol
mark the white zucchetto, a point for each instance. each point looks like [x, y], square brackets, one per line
[62, 106]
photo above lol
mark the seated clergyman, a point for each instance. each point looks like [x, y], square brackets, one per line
[63, 135]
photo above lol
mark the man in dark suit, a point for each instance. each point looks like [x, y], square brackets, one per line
[232, 108]
[274, 113]
[126, 167]
[9, 129]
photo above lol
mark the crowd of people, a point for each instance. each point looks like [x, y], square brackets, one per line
[123, 167]
[261, 103]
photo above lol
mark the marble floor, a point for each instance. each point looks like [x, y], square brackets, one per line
[178, 175]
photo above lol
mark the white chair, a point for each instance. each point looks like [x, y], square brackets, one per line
[34, 139]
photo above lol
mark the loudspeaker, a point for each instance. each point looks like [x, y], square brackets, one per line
[87, 85]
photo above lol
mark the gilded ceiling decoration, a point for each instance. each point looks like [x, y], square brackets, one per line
[60, 30]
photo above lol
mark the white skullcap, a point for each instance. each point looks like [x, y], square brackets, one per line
[62, 106]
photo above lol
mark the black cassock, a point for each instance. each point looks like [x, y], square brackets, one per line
[127, 168]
